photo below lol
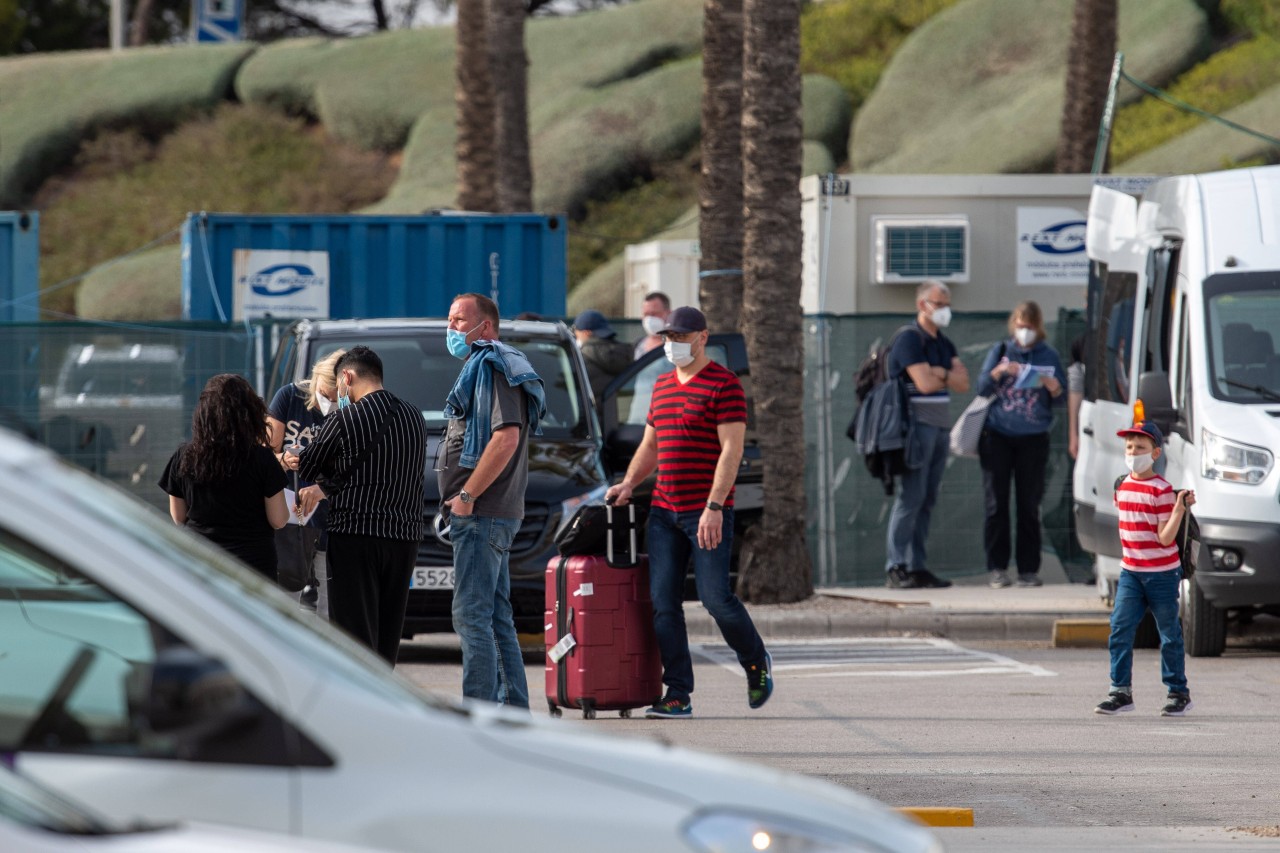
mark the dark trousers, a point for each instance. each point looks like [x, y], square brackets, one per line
[1022, 460]
[369, 588]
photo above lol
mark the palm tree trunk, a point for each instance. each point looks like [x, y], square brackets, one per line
[720, 193]
[774, 562]
[473, 99]
[510, 65]
[380, 19]
[1089, 60]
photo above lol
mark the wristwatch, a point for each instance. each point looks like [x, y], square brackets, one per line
[467, 498]
[715, 507]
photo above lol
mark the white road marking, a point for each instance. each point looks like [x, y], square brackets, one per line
[859, 657]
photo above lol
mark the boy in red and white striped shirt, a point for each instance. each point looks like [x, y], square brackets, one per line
[1150, 572]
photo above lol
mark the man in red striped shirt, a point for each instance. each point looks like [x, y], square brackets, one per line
[694, 436]
[1150, 572]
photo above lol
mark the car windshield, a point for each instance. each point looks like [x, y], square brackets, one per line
[239, 588]
[418, 369]
[1242, 313]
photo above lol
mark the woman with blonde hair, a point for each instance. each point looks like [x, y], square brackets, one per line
[294, 418]
[224, 483]
[1025, 376]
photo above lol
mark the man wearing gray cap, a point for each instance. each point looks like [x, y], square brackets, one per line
[694, 436]
[605, 355]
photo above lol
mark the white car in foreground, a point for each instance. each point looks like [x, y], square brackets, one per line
[150, 676]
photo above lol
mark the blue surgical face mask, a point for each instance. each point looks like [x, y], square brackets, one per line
[344, 396]
[457, 343]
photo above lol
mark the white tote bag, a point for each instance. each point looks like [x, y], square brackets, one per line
[968, 427]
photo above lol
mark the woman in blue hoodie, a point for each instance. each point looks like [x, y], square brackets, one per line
[1026, 378]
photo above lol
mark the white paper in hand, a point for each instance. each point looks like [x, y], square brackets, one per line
[291, 499]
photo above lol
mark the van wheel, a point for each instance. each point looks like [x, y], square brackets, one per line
[1204, 627]
[1148, 635]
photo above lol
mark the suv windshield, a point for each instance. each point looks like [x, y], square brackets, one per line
[1242, 312]
[421, 371]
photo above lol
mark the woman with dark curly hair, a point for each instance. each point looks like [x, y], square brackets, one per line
[225, 483]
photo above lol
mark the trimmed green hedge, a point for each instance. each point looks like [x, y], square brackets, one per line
[851, 41]
[1225, 80]
[1260, 17]
[979, 87]
[827, 113]
[53, 101]
[146, 286]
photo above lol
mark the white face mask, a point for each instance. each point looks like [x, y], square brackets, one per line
[1141, 462]
[941, 316]
[1025, 337]
[653, 325]
[324, 403]
[678, 353]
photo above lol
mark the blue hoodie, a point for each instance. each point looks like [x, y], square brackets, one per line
[1020, 411]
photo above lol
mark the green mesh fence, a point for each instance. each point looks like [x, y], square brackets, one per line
[117, 400]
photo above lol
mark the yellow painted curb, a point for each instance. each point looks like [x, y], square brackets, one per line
[1081, 633]
[936, 816]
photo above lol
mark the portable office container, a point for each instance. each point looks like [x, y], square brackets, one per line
[19, 266]
[237, 267]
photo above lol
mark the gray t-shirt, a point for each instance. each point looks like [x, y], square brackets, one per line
[505, 496]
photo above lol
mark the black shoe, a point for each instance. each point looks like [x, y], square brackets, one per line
[899, 578]
[1117, 702]
[1030, 580]
[1178, 705]
[926, 579]
[999, 579]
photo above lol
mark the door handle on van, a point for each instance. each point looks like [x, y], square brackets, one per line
[1087, 430]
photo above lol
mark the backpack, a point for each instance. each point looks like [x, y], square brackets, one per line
[872, 371]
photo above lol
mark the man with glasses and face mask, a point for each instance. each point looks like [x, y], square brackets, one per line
[483, 470]
[694, 437]
[928, 363]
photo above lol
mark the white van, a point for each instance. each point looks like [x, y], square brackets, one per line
[1184, 313]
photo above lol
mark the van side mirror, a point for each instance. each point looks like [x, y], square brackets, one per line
[1153, 391]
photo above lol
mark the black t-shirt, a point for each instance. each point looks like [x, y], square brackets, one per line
[233, 513]
[301, 426]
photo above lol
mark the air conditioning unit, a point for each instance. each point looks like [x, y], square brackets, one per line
[909, 249]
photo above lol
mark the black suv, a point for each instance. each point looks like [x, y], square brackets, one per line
[571, 463]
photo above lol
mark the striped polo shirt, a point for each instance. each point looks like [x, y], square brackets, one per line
[1145, 506]
[685, 418]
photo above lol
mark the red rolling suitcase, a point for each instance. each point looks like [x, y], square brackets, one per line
[601, 651]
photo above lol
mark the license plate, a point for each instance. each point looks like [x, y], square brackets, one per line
[432, 577]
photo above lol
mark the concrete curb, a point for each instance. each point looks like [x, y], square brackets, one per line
[939, 815]
[799, 624]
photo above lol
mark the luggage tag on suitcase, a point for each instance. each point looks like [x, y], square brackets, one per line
[620, 543]
[561, 648]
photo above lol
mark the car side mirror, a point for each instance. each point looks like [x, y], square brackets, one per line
[195, 698]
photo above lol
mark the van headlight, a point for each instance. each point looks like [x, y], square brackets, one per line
[1223, 459]
[731, 832]
[569, 507]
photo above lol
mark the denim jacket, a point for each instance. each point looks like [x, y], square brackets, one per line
[472, 394]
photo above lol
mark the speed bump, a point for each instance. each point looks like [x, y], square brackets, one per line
[938, 816]
[1081, 633]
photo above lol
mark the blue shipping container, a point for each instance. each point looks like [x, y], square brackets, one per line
[378, 266]
[19, 266]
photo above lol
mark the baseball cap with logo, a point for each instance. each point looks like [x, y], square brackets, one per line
[1146, 428]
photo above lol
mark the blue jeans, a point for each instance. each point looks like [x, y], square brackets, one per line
[917, 493]
[492, 667]
[671, 539]
[1136, 592]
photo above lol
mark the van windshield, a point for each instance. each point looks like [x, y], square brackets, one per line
[1242, 312]
[419, 370]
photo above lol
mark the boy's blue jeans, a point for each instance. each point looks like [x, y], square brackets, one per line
[1136, 592]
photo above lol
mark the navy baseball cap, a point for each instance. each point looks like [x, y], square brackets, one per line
[594, 322]
[684, 320]
[1146, 428]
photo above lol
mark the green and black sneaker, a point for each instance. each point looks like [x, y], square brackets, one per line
[670, 708]
[760, 682]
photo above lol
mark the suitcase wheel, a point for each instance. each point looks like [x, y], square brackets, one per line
[588, 713]
[554, 710]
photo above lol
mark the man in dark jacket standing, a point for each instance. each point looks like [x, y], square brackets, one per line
[369, 460]
[605, 355]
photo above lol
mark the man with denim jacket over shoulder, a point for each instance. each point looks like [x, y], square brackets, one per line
[483, 471]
